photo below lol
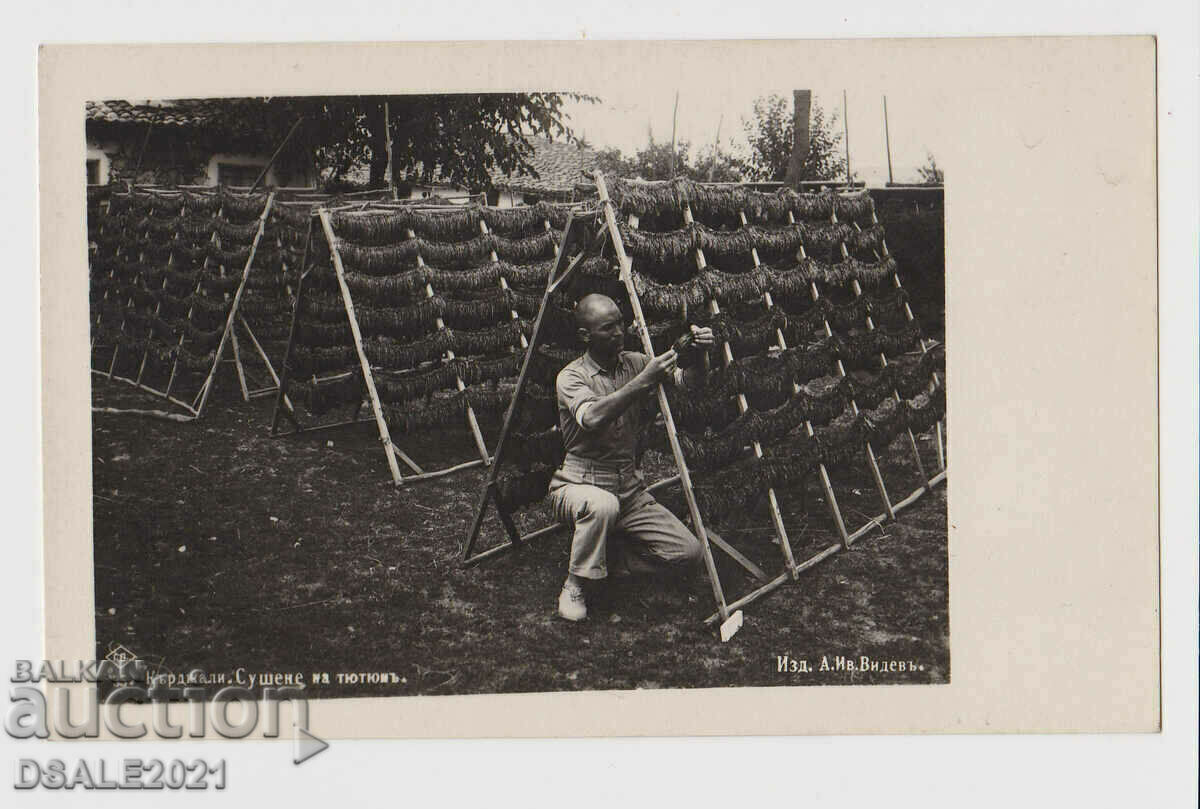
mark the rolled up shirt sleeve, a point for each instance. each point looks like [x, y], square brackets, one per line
[575, 394]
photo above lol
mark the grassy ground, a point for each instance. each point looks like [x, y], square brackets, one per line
[219, 547]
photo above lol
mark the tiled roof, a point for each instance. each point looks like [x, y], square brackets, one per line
[559, 166]
[170, 113]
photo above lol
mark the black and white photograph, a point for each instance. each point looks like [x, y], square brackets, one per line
[483, 393]
[560, 405]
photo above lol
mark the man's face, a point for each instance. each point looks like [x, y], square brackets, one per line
[605, 332]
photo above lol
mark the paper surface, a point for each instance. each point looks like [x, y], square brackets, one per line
[1051, 334]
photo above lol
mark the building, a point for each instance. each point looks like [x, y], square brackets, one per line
[183, 142]
[560, 167]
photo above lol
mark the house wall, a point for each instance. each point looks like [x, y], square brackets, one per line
[172, 156]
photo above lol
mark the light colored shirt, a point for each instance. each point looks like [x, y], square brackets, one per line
[583, 382]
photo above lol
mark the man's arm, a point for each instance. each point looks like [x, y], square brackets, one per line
[609, 408]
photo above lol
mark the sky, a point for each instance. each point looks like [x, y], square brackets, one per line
[626, 114]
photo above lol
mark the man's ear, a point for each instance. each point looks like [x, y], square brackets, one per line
[583, 335]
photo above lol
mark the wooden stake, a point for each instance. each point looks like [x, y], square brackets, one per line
[823, 474]
[714, 308]
[672, 435]
[291, 341]
[489, 486]
[380, 421]
[237, 298]
[472, 422]
[237, 361]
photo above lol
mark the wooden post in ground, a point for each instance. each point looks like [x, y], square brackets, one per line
[380, 421]
[887, 503]
[291, 341]
[472, 422]
[672, 435]
[823, 474]
[237, 298]
[489, 488]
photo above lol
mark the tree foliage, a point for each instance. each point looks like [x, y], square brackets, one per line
[458, 138]
[653, 162]
[770, 134]
[931, 173]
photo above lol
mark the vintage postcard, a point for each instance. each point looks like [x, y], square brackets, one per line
[553, 389]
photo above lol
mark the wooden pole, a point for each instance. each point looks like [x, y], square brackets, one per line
[674, 118]
[826, 483]
[387, 136]
[472, 422]
[262, 174]
[743, 406]
[380, 421]
[237, 361]
[506, 427]
[887, 140]
[237, 298]
[287, 353]
[846, 131]
[672, 435]
[716, 148]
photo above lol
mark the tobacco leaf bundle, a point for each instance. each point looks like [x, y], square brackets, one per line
[528, 451]
[926, 410]
[241, 205]
[235, 232]
[235, 257]
[264, 305]
[216, 284]
[864, 349]
[547, 362]
[201, 201]
[393, 289]
[522, 220]
[398, 388]
[321, 397]
[323, 334]
[516, 491]
[291, 216]
[305, 360]
[474, 314]
[327, 308]
[404, 322]
[395, 354]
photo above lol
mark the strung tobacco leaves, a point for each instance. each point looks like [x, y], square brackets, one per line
[725, 202]
[863, 350]
[321, 397]
[516, 491]
[454, 223]
[531, 450]
[391, 258]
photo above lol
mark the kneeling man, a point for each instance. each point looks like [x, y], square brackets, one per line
[599, 488]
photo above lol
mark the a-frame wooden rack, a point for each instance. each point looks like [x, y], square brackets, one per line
[393, 453]
[728, 612]
[194, 408]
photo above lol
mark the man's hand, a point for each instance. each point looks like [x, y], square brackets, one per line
[703, 336]
[661, 367]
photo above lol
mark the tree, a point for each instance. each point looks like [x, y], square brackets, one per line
[653, 162]
[931, 173]
[459, 138]
[771, 134]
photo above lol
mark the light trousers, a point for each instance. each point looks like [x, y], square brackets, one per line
[655, 538]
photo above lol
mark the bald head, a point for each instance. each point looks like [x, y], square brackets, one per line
[601, 327]
[594, 309]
